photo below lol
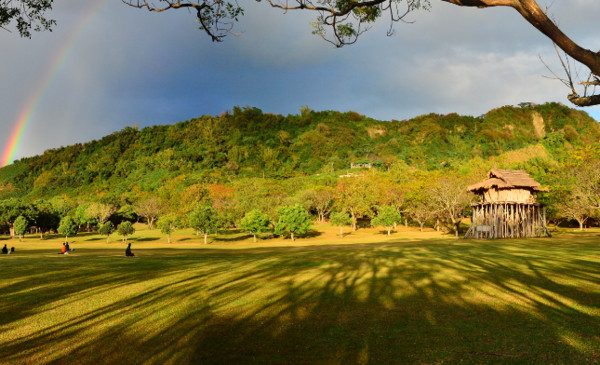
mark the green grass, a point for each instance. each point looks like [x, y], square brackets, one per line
[366, 299]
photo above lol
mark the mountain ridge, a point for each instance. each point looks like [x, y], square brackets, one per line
[249, 143]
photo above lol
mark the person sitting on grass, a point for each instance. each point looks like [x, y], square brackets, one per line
[12, 250]
[5, 250]
[69, 247]
[128, 251]
[63, 249]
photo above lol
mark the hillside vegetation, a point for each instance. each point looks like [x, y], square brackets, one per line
[246, 159]
[249, 143]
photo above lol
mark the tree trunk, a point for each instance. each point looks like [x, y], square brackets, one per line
[107, 238]
[20, 236]
[457, 227]
[12, 231]
[389, 229]
[341, 231]
[421, 226]
[67, 238]
[254, 235]
[580, 224]
[206, 238]
[292, 236]
[168, 238]
[353, 221]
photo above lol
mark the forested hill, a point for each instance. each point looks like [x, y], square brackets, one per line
[249, 143]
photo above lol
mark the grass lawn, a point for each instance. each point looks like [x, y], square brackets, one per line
[411, 298]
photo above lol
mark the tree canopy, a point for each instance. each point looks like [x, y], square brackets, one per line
[68, 227]
[21, 225]
[293, 220]
[254, 222]
[203, 219]
[125, 229]
[26, 15]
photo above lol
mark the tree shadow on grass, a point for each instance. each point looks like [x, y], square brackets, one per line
[312, 234]
[221, 238]
[520, 301]
[95, 239]
[147, 239]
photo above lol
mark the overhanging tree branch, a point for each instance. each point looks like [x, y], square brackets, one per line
[216, 17]
[340, 22]
[533, 13]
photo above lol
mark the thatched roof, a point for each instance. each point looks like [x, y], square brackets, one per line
[506, 179]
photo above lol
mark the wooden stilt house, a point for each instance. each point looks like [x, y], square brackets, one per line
[507, 208]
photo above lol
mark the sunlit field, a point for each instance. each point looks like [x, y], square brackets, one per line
[422, 298]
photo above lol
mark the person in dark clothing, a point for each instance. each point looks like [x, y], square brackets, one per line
[5, 250]
[68, 247]
[128, 251]
[12, 249]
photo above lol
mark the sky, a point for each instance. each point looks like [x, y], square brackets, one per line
[106, 66]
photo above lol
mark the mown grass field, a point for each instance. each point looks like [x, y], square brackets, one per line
[412, 298]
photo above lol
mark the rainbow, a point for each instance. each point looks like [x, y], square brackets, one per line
[26, 115]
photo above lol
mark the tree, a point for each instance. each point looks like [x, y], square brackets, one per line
[356, 196]
[292, 220]
[106, 229]
[167, 225]
[148, 208]
[125, 229]
[387, 216]
[68, 227]
[450, 197]
[574, 207]
[421, 205]
[319, 198]
[340, 219]
[421, 211]
[27, 14]
[392, 193]
[126, 212]
[48, 217]
[577, 192]
[255, 222]
[82, 216]
[342, 22]
[11, 209]
[203, 219]
[101, 212]
[21, 225]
